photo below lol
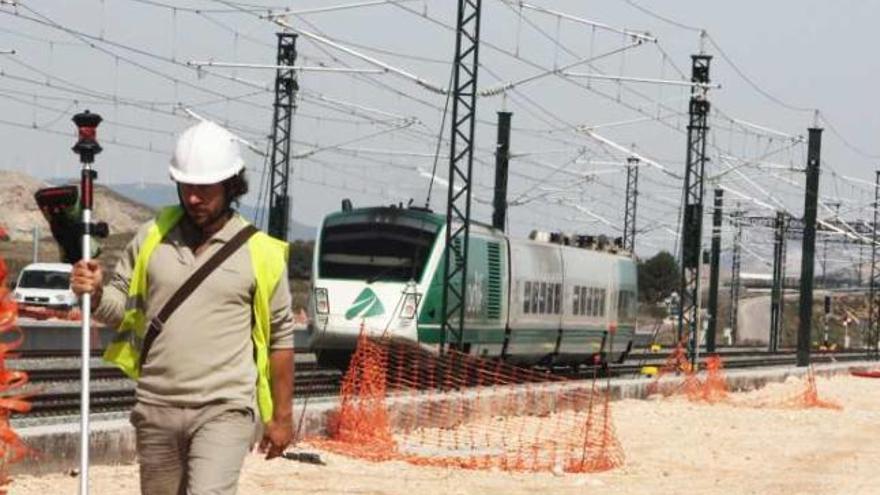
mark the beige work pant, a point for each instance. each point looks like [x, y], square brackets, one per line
[191, 451]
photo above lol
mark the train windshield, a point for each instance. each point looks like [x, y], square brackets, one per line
[384, 245]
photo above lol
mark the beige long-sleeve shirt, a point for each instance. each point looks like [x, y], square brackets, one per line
[204, 353]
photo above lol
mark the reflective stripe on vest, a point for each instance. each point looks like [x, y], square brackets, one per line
[268, 260]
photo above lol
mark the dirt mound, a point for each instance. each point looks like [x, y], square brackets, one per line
[20, 213]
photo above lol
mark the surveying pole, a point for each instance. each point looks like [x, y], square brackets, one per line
[86, 147]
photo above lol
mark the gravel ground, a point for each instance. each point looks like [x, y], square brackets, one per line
[60, 363]
[672, 446]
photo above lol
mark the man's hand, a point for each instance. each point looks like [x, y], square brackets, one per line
[276, 437]
[279, 432]
[87, 277]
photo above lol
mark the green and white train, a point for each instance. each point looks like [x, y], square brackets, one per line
[536, 301]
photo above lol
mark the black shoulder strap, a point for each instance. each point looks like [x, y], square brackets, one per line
[191, 284]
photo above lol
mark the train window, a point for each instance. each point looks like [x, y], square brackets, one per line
[587, 292]
[557, 304]
[576, 301]
[534, 297]
[360, 248]
[587, 296]
[527, 297]
[596, 295]
[542, 298]
[627, 306]
[549, 298]
[601, 302]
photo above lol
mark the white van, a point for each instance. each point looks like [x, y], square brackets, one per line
[45, 284]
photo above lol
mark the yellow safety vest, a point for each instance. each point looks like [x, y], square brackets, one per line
[268, 259]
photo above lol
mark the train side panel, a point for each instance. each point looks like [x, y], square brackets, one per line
[589, 284]
[486, 296]
[536, 304]
[627, 308]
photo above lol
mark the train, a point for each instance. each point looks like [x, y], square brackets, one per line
[551, 299]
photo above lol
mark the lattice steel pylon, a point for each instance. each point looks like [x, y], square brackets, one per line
[461, 160]
[777, 295]
[692, 223]
[735, 265]
[873, 305]
[282, 132]
[632, 196]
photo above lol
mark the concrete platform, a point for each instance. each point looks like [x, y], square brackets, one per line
[112, 439]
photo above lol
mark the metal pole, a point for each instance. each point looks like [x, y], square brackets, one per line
[808, 251]
[282, 131]
[872, 333]
[502, 158]
[776, 294]
[632, 196]
[692, 224]
[714, 271]
[461, 161]
[735, 263]
[87, 147]
[36, 244]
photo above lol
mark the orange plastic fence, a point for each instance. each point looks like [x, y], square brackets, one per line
[712, 387]
[401, 402]
[12, 448]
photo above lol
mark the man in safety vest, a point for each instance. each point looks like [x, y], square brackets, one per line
[224, 356]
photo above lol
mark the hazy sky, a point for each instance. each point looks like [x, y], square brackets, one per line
[372, 137]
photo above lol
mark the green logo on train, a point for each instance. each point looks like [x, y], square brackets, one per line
[365, 305]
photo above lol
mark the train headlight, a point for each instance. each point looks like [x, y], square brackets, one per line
[410, 305]
[322, 301]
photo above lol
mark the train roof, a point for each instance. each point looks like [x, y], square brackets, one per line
[429, 220]
[369, 213]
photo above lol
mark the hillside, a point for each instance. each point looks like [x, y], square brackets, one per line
[157, 195]
[20, 213]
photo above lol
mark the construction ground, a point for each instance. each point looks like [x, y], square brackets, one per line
[671, 445]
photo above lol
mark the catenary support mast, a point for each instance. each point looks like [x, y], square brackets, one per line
[873, 307]
[735, 265]
[632, 196]
[502, 158]
[461, 159]
[777, 292]
[282, 132]
[808, 251]
[692, 223]
[714, 274]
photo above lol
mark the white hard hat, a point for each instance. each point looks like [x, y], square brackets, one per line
[206, 154]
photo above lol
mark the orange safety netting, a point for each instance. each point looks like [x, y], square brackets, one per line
[713, 387]
[12, 448]
[809, 397]
[402, 402]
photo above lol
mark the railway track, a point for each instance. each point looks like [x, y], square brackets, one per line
[117, 394]
[746, 359]
[44, 375]
[313, 381]
[319, 384]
